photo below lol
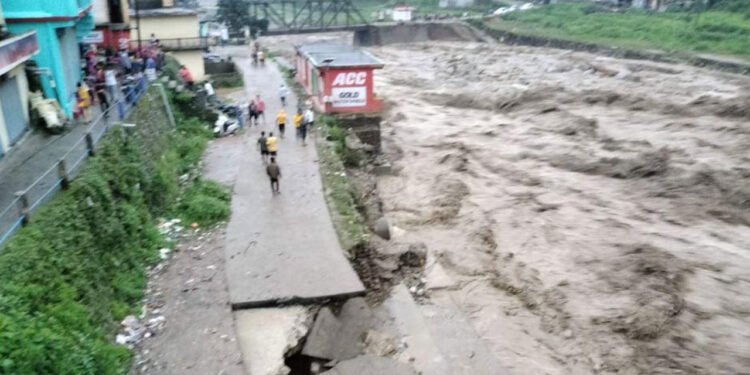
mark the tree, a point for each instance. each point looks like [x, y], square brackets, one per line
[235, 14]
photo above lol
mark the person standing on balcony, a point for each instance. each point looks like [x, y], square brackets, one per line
[125, 62]
[151, 68]
[110, 80]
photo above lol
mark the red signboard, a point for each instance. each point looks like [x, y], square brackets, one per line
[16, 50]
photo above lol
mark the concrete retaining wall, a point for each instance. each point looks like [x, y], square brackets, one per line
[366, 127]
[220, 67]
[415, 32]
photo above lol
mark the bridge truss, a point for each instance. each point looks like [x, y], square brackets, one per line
[301, 16]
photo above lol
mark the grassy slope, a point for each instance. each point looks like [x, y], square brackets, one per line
[368, 8]
[719, 31]
[78, 268]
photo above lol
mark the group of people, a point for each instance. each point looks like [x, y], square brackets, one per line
[259, 56]
[106, 69]
[268, 142]
[302, 121]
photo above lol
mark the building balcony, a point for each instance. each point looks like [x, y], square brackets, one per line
[44, 9]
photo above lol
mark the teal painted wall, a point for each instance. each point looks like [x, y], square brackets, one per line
[62, 71]
[59, 54]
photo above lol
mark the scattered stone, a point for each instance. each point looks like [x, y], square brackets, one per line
[437, 278]
[568, 334]
[382, 228]
[164, 253]
[383, 169]
[380, 344]
[386, 265]
[414, 255]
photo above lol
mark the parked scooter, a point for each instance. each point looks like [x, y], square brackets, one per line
[225, 126]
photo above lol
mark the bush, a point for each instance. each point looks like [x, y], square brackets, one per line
[205, 202]
[229, 80]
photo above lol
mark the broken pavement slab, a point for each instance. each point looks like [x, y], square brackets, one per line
[266, 335]
[340, 338]
[370, 365]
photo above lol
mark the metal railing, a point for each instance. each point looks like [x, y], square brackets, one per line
[59, 174]
[184, 44]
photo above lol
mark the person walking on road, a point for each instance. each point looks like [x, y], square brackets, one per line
[262, 58]
[263, 146]
[298, 118]
[260, 108]
[252, 113]
[281, 122]
[273, 145]
[307, 123]
[283, 93]
[274, 173]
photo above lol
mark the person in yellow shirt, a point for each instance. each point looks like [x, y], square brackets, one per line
[298, 121]
[273, 144]
[84, 101]
[281, 121]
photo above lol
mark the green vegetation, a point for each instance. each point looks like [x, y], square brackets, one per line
[341, 196]
[717, 31]
[204, 202]
[369, 8]
[78, 268]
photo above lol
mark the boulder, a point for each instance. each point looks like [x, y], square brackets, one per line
[383, 228]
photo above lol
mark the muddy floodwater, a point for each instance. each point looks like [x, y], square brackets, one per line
[593, 212]
[589, 215]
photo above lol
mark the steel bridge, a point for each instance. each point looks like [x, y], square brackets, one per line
[307, 16]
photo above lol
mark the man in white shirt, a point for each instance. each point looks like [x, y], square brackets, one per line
[308, 119]
[210, 93]
[110, 80]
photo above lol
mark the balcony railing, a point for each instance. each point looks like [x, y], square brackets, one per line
[181, 44]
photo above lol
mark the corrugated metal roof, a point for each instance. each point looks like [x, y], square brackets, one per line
[337, 55]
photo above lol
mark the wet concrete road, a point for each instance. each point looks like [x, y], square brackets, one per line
[278, 248]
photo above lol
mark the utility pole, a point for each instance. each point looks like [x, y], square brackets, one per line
[138, 23]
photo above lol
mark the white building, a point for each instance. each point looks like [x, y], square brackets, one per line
[402, 14]
[456, 3]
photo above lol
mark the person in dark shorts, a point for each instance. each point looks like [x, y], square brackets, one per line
[281, 122]
[252, 113]
[273, 144]
[263, 145]
[274, 173]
